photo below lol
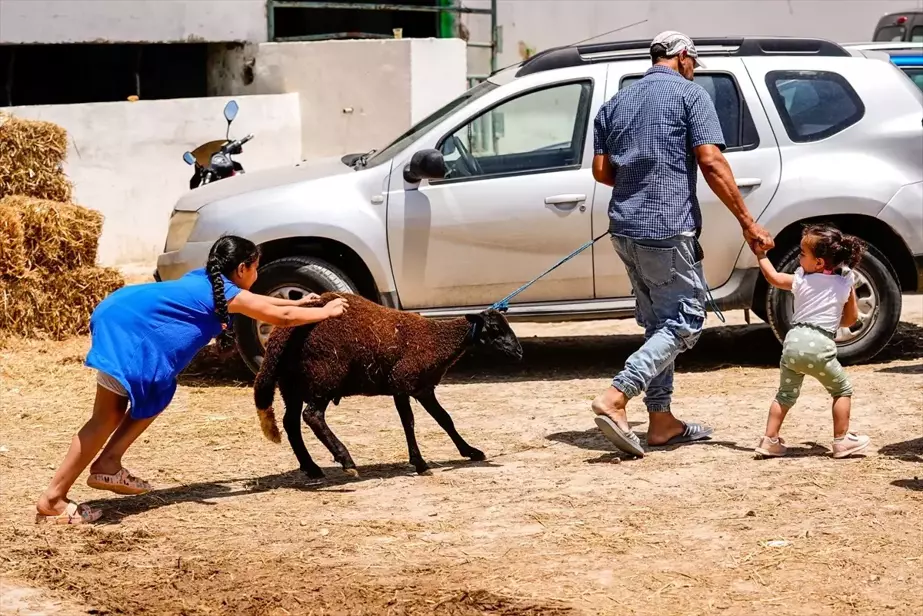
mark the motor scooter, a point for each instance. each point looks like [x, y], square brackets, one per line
[213, 161]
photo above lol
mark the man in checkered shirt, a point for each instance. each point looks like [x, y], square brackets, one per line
[649, 139]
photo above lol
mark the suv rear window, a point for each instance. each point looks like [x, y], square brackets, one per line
[736, 122]
[890, 34]
[814, 105]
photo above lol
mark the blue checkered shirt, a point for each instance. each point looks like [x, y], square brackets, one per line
[648, 130]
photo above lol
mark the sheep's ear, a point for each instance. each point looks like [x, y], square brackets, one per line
[475, 319]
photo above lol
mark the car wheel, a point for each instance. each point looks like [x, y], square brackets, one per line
[288, 278]
[877, 293]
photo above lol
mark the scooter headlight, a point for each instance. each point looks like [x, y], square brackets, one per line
[181, 226]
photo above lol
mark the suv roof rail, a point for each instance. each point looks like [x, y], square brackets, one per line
[565, 57]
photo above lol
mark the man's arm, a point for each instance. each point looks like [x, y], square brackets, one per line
[707, 143]
[603, 171]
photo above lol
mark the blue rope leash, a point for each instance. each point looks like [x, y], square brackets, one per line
[710, 303]
[504, 303]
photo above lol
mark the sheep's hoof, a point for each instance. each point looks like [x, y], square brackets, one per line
[476, 455]
[313, 473]
[351, 472]
[422, 468]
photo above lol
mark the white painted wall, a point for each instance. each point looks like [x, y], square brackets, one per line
[437, 75]
[126, 158]
[355, 95]
[131, 21]
[549, 23]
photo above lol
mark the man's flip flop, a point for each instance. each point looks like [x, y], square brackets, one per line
[72, 514]
[692, 432]
[627, 441]
[122, 482]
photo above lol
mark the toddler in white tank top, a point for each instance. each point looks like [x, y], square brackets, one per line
[825, 301]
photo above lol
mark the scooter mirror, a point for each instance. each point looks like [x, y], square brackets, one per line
[230, 111]
[189, 158]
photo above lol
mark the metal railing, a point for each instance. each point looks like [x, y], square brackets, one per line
[492, 45]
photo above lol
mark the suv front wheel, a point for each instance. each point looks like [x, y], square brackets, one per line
[288, 278]
[877, 293]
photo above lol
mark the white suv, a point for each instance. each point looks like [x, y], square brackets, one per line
[490, 190]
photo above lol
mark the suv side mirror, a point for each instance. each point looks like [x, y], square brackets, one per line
[189, 158]
[425, 165]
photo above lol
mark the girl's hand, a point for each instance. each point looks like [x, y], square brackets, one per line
[336, 308]
[308, 299]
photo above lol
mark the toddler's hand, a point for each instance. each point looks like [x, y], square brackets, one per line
[336, 307]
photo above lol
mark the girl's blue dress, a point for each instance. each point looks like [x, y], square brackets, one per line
[145, 335]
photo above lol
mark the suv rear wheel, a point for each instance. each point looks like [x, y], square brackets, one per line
[877, 293]
[288, 278]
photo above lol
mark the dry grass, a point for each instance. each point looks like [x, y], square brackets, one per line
[12, 243]
[54, 305]
[56, 236]
[31, 155]
[548, 525]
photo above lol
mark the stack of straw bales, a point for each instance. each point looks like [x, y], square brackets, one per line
[49, 283]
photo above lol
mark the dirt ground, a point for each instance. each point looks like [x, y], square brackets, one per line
[554, 522]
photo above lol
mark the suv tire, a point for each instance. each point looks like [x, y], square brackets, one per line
[871, 337]
[292, 277]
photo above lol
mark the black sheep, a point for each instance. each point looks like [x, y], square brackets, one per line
[370, 351]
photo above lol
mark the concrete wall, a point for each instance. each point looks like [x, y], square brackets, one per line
[355, 95]
[126, 158]
[131, 21]
[541, 24]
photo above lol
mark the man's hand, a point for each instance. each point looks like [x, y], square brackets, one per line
[758, 238]
[336, 308]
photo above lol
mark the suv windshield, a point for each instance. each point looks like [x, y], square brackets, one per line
[424, 125]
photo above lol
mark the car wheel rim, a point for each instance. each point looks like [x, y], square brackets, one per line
[291, 292]
[867, 295]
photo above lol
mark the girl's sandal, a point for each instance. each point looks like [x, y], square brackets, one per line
[72, 514]
[122, 482]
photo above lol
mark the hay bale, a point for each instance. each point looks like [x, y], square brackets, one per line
[12, 244]
[31, 157]
[57, 305]
[57, 236]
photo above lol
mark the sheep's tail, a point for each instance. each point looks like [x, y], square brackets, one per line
[264, 387]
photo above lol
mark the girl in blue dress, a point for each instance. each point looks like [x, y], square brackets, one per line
[143, 337]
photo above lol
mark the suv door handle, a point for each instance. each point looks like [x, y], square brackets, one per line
[748, 182]
[565, 200]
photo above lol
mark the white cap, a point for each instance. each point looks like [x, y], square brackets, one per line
[675, 43]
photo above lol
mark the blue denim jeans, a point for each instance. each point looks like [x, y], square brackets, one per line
[669, 288]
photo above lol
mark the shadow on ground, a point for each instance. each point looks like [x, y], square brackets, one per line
[117, 509]
[912, 369]
[593, 440]
[914, 484]
[570, 357]
[909, 451]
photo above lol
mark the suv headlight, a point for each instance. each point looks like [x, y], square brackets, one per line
[181, 226]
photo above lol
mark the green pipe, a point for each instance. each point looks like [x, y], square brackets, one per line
[446, 20]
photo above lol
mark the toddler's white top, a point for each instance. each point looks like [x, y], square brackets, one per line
[820, 298]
